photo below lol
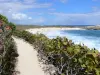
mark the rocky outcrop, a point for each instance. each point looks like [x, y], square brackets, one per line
[97, 27]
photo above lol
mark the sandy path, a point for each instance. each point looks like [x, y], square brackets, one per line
[27, 61]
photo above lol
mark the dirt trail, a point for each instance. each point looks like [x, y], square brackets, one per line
[28, 63]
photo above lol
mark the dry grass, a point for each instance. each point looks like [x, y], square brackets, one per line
[23, 27]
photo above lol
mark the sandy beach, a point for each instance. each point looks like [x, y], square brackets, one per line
[41, 30]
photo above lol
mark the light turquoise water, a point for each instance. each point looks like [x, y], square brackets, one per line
[90, 38]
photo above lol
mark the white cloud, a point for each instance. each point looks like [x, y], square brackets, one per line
[14, 9]
[17, 6]
[29, 1]
[19, 16]
[30, 18]
[95, 9]
[74, 19]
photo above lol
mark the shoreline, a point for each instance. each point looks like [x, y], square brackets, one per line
[91, 27]
[41, 30]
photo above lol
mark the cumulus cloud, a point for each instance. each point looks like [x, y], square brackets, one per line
[13, 9]
[21, 18]
[21, 6]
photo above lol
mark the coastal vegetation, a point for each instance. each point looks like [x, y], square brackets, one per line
[67, 58]
[8, 50]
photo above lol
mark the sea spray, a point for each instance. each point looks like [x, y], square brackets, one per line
[90, 38]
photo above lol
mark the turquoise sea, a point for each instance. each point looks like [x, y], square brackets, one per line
[90, 38]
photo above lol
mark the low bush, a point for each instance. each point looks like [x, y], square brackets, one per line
[67, 57]
[9, 59]
[8, 50]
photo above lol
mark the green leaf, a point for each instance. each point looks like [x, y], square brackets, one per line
[70, 49]
[97, 71]
[80, 60]
[83, 65]
[75, 60]
[62, 74]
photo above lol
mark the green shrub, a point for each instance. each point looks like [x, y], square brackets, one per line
[67, 57]
[9, 60]
[9, 54]
[12, 25]
[3, 18]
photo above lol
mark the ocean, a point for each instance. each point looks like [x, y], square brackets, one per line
[90, 38]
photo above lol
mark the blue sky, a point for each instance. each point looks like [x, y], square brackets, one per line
[52, 12]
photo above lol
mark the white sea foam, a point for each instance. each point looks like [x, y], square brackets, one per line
[91, 42]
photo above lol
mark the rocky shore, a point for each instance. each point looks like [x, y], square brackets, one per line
[97, 27]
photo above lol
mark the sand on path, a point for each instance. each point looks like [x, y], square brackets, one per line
[28, 63]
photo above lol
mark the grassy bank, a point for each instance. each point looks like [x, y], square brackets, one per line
[67, 57]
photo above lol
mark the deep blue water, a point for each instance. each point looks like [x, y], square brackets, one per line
[91, 33]
[90, 38]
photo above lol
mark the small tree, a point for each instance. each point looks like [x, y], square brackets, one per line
[3, 18]
[12, 26]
